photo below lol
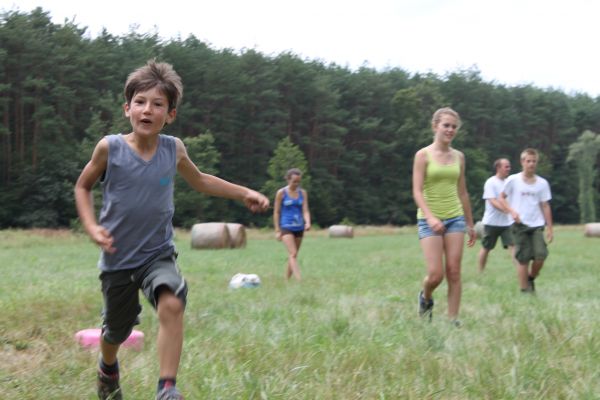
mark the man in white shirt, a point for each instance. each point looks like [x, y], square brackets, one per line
[496, 220]
[526, 197]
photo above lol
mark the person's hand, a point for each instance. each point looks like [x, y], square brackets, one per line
[472, 236]
[256, 202]
[278, 235]
[515, 216]
[436, 225]
[307, 226]
[102, 237]
[549, 235]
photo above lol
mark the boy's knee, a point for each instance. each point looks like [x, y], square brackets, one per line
[116, 336]
[170, 303]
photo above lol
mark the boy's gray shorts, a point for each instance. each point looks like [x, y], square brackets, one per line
[120, 290]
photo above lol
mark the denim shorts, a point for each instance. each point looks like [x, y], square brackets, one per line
[453, 225]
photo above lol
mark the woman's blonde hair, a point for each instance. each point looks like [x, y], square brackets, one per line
[437, 116]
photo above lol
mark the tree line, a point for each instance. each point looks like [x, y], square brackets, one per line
[356, 130]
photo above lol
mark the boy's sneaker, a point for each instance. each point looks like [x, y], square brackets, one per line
[531, 283]
[425, 307]
[108, 386]
[170, 393]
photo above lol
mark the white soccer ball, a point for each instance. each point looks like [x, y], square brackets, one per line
[240, 280]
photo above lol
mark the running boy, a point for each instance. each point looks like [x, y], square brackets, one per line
[526, 197]
[135, 231]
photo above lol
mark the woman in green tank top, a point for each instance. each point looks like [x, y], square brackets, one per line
[444, 210]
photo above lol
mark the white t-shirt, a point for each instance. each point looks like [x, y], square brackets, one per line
[525, 198]
[492, 216]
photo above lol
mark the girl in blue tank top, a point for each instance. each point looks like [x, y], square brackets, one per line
[291, 212]
[291, 218]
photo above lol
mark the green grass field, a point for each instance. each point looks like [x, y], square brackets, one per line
[349, 330]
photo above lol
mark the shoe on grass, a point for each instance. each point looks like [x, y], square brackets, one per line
[170, 393]
[108, 386]
[425, 307]
[531, 283]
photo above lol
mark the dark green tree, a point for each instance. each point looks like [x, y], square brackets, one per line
[192, 207]
[287, 155]
[584, 153]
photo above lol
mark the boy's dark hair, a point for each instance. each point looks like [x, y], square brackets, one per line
[155, 74]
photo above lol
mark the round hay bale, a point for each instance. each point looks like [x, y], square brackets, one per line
[237, 233]
[341, 231]
[592, 230]
[210, 235]
[478, 229]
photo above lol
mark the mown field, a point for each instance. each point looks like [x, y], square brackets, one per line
[349, 330]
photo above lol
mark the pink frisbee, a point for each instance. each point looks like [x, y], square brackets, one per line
[91, 338]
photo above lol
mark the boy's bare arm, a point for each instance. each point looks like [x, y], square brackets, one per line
[497, 204]
[84, 201]
[547, 211]
[502, 199]
[215, 186]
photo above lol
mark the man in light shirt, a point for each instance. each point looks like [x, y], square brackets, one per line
[526, 197]
[496, 220]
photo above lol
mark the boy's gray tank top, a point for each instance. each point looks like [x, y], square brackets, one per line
[137, 203]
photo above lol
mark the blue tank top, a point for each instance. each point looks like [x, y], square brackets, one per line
[291, 217]
[137, 203]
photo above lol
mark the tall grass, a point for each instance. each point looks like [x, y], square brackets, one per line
[348, 331]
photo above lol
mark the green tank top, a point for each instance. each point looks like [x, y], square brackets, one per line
[440, 189]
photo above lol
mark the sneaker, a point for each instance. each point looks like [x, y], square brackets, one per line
[531, 283]
[425, 307]
[108, 386]
[455, 323]
[170, 393]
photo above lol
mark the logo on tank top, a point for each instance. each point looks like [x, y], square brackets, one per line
[165, 181]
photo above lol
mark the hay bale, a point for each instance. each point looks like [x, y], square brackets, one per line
[341, 231]
[210, 235]
[592, 230]
[237, 233]
[479, 229]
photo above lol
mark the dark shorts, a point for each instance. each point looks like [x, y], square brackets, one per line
[297, 234]
[453, 225]
[491, 234]
[529, 243]
[120, 290]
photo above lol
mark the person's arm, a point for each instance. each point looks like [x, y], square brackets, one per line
[215, 186]
[277, 213]
[499, 205]
[463, 195]
[418, 180]
[502, 199]
[85, 202]
[547, 211]
[305, 211]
